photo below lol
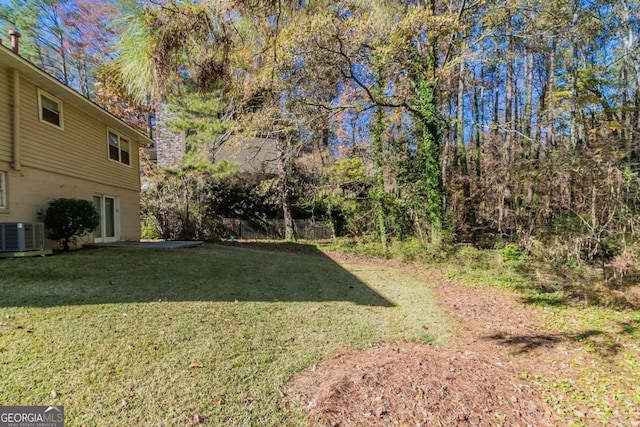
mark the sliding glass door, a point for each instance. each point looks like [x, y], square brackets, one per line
[107, 230]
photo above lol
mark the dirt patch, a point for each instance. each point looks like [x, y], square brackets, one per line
[419, 385]
[481, 378]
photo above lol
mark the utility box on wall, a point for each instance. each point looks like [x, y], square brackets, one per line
[21, 236]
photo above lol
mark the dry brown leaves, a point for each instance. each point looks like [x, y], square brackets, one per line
[420, 385]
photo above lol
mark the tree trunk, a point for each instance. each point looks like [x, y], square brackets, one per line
[461, 148]
[508, 98]
[284, 166]
[528, 104]
[550, 92]
[634, 130]
[573, 72]
[467, 212]
[379, 192]
[479, 122]
[431, 150]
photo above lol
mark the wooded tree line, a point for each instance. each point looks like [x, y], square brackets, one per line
[464, 120]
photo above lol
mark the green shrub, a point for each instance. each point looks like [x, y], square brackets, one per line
[65, 219]
[371, 249]
[512, 253]
[189, 203]
[407, 250]
[342, 245]
[148, 231]
[413, 249]
[471, 256]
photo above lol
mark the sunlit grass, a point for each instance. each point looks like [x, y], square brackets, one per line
[154, 337]
[605, 383]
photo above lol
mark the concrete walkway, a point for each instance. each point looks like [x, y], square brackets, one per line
[173, 244]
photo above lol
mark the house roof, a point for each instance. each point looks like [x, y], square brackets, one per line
[68, 95]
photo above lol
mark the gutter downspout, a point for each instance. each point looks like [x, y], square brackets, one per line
[16, 121]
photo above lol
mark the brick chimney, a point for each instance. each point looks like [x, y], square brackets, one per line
[14, 35]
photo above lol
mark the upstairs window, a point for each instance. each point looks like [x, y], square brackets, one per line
[3, 190]
[119, 148]
[50, 109]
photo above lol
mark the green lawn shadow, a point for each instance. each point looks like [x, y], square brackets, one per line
[214, 273]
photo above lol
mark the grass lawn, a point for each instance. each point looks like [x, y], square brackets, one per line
[153, 337]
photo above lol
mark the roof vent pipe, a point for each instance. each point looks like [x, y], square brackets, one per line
[14, 35]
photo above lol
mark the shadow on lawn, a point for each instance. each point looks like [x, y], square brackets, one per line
[268, 272]
[604, 343]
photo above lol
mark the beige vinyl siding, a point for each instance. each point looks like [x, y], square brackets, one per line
[5, 115]
[30, 190]
[80, 150]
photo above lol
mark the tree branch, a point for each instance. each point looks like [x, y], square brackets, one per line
[351, 75]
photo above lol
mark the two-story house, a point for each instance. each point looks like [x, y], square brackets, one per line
[56, 143]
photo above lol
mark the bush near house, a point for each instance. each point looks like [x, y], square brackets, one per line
[66, 218]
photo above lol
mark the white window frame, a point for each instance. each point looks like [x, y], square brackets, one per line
[121, 138]
[42, 93]
[3, 190]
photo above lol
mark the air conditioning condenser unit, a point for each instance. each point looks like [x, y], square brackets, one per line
[21, 236]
